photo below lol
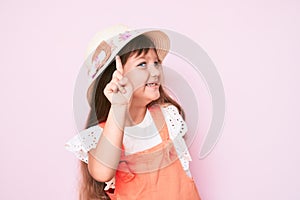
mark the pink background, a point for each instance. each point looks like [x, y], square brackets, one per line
[254, 45]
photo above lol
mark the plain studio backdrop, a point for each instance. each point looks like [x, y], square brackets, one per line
[255, 48]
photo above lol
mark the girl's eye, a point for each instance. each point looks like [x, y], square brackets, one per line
[143, 64]
[156, 63]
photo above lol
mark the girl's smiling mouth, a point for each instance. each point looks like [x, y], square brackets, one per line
[154, 84]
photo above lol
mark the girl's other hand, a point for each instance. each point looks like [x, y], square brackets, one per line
[119, 90]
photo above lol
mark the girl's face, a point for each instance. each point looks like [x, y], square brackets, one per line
[144, 72]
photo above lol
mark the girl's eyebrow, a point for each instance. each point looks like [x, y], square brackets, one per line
[143, 56]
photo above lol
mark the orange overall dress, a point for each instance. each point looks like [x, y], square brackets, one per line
[154, 174]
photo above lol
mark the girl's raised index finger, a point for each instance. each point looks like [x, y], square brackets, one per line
[119, 64]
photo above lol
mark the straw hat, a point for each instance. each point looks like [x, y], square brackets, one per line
[104, 47]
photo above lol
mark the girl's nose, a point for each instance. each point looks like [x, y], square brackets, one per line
[154, 70]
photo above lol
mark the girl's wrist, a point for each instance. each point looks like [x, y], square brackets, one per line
[119, 113]
[119, 105]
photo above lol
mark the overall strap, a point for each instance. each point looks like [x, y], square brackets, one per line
[159, 120]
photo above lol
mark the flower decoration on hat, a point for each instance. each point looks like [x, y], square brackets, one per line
[124, 36]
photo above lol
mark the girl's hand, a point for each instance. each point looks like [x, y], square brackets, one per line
[119, 90]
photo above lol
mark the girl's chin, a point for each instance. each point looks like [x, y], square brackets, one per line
[146, 99]
[147, 95]
[154, 97]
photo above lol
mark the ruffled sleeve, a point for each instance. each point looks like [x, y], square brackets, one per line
[177, 129]
[83, 142]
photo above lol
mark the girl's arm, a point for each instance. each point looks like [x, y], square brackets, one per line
[104, 159]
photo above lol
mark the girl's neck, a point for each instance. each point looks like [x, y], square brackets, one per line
[137, 113]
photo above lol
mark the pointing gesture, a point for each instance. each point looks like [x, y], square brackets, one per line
[119, 90]
[119, 64]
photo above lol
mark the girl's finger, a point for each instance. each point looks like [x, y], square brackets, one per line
[117, 75]
[121, 88]
[123, 81]
[119, 64]
[112, 87]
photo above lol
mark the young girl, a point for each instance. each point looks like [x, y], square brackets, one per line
[133, 146]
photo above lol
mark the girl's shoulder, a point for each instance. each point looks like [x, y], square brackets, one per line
[174, 120]
[165, 106]
[170, 109]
